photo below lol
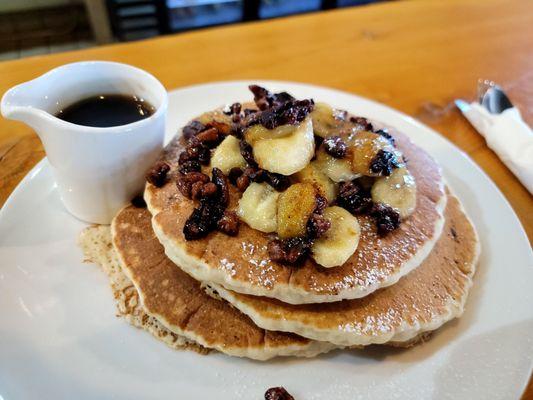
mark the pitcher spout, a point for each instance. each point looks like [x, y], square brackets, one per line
[27, 104]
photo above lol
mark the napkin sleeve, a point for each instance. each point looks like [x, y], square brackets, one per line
[509, 137]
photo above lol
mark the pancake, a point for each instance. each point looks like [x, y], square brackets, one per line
[180, 303]
[242, 263]
[422, 301]
[97, 247]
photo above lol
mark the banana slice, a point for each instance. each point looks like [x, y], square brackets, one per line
[295, 206]
[397, 190]
[363, 147]
[325, 120]
[258, 207]
[340, 241]
[283, 153]
[337, 169]
[227, 155]
[314, 175]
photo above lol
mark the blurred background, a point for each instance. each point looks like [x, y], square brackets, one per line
[33, 27]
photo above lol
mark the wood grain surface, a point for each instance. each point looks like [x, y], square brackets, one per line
[416, 56]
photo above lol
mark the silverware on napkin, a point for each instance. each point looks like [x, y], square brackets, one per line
[506, 133]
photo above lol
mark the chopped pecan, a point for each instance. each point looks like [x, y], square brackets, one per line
[192, 129]
[157, 175]
[234, 174]
[385, 133]
[243, 182]
[278, 393]
[199, 224]
[317, 225]
[221, 182]
[354, 198]
[247, 153]
[335, 146]
[210, 137]
[229, 223]
[185, 182]
[387, 219]
[361, 123]
[278, 181]
[383, 163]
[190, 166]
[221, 127]
[289, 251]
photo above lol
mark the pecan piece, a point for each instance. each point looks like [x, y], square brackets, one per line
[157, 175]
[383, 163]
[335, 146]
[354, 198]
[192, 129]
[229, 223]
[289, 251]
[278, 393]
[387, 219]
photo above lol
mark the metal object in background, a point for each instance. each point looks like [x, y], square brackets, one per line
[492, 97]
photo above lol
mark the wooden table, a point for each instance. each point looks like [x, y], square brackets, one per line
[416, 56]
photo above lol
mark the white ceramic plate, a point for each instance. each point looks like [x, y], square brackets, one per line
[60, 339]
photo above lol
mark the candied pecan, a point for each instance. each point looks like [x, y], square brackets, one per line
[248, 111]
[385, 133]
[264, 99]
[289, 251]
[199, 224]
[277, 393]
[362, 123]
[255, 174]
[185, 182]
[354, 198]
[229, 223]
[221, 127]
[335, 146]
[192, 129]
[196, 190]
[247, 153]
[290, 113]
[317, 225]
[209, 189]
[221, 182]
[157, 175]
[138, 201]
[260, 96]
[197, 151]
[278, 181]
[243, 182]
[233, 174]
[210, 137]
[237, 130]
[387, 219]
[384, 162]
[190, 166]
[236, 108]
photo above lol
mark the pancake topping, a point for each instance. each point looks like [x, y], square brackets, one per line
[304, 171]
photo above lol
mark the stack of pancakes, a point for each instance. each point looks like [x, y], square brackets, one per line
[225, 293]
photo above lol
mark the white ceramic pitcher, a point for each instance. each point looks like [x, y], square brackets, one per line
[98, 170]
